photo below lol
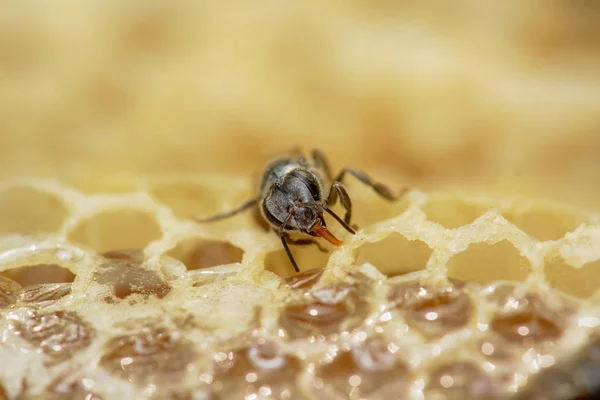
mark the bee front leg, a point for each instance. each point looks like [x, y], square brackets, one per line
[289, 253]
[305, 242]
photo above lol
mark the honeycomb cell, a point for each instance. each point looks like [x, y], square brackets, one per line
[526, 327]
[581, 282]
[395, 255]
[432, 311]
[9, 290]
[3, 394]
[39, 274]
[123, 273]
[260, 370]
[307, 257]
[452, 213]
[65, 388]
[152, 355]
[305, 279]
[545, 224]
[368, 370]
[29, 210]
[326, 311]
[45, 293]
[198, 254]
[527, 320]
[59, 334]
[127, 228]
[187, 200]
[462, 380]
[484, 263]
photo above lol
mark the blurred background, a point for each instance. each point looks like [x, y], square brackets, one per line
[494, 94]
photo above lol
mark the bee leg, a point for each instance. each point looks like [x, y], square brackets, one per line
[381, 189]
[246, 205]
[289, 253]
[320, 160]
[305, 242]
[338, 189]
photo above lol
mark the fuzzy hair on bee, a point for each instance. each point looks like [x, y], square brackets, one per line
[295, 193]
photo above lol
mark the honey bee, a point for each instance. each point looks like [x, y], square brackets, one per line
[291, 198]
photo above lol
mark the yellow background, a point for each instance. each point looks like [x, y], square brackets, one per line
[502, 94]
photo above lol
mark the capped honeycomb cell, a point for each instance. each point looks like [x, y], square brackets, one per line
[261, 369]
[9, 291]
[153, 355]
[485, 263]
[526, 319]
[326, 311]
[395, 255]
[126, 228]
[368, 370]
[432, 311]
[462, 380]
[27, 210]
[59, 334]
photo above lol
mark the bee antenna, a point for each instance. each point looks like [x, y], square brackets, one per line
[338, 219]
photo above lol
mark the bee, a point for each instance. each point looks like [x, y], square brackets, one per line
[291, 198]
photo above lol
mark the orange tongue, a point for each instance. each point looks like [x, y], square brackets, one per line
[322, 231]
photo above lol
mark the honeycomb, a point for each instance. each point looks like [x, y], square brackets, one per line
[437, 296]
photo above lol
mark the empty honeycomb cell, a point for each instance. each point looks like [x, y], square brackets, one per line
[152, 355]
[122, 272]
[581, 282]
[452, 212]
[126, 228]
[188, 200]
[307, 257]
[485, 263]
[462, 380]
[198, 254]
[368, 370]
[59, 334]
[260, 370]
[434, 312]
[394, 255]
[28, 210]
[326, 311]
[9, 290]
[39, 274]
[545, 224]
